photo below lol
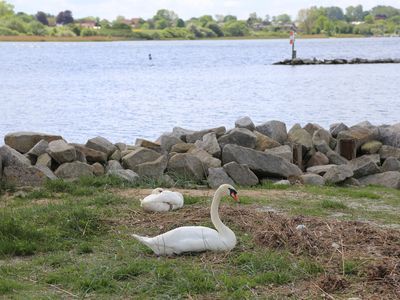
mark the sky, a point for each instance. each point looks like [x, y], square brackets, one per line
[186, 9]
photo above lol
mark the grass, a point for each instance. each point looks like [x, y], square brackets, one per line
[73, 240]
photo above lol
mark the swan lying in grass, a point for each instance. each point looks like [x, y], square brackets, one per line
[196, 238]
[160, 200]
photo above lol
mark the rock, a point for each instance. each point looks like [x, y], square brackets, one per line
[12, 157]
[360, 134]
[298, 135]
[139, 156]
[153, 169]
[338, 174]
[127, 175]
[262, 164]
[44, 160]
[23, 141]
[241, 174]
[363, 166]
[98, 169]
[371, 147]
[284, 151]
[320, 170]
[181, 133]
[198, 135]
[321, 135]
[1, 167]
[335, 158]
[61, 152]
[318, 159]
[351, 182]
[167, 142]
[275, 130]
[390, 135]
[245, 122]
[37, 150]
[322, 146]
[207, 160]
[335, 129]
[73, 170]
[23, 175]
[188, 165]
[116, 155]
[126, 152]
[390, 179]
[311, 128]
[101, 144]
[209, 144]
[218, 176]
[80, 156]
[264, 142]
[148, 144]
[391, 164]
[182, 147]
[238, 136]
[312, 179]
[113, 165]
[121, 146]
[92, 156]
[389, 151]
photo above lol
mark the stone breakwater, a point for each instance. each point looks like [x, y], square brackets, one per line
[336, 61]
[245, 155]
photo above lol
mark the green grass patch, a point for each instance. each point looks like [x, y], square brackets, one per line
[8, 286]
[332, 204]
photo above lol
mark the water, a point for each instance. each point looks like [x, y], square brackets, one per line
[81, 90]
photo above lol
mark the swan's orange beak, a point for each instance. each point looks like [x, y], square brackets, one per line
[235, 197]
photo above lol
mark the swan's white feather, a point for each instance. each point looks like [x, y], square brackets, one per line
[162, 201]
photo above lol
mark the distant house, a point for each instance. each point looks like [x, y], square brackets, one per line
[380, 17]
[89, 24]
[134, 22]
[357, 22]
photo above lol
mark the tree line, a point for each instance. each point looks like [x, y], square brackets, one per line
[330, 21]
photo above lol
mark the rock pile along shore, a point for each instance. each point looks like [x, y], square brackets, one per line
[245, 155]
[336, 61]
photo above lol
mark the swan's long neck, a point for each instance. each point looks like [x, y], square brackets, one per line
[221, 228]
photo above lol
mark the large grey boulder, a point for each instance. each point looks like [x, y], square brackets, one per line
[167, 141]
[363, 166]
[238, 136]
[121, 146]
[375, 158]
[113, 165]
[92, 156]
[98, 169]
[320, 136]
[44, 160]
[187, 165]
[275, 130]
[390, 135]
[210, 144]
[139, 156]
[336, 158]
[298, 135]
[245, 122]
[311, 128]
[312, 179]
[320, 170]
[389, 151]
[101, 144]
[241, 174]
[23, 141]
[153, 169]
[391, 164]
[12, 157]
[206, 159]
[61, 152]
[127, 175]
[182, 147]
[284, 151]
[23, 175]
[198, 135]
[361, 135]
[116, 155]
[37, 150]
[218, 176]
[371, 147]
[338, 174]
[264, 142]
[181, 133]
[318, 159]
[336, 128]
[148, 144]
[389, 179]
[73, 170]
[262, 164]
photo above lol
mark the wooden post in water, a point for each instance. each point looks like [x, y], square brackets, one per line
[292, 40]
[347, 148]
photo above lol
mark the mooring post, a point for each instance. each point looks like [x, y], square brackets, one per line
[347, 148]
[292, 40]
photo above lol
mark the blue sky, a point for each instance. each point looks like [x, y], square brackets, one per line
[184, 8]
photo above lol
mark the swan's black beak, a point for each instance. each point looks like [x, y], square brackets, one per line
[234, 195]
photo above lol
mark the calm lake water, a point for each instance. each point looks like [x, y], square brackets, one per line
[81, 90]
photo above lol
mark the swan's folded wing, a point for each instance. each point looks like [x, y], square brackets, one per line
[171, 198]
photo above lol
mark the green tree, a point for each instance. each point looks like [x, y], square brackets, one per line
[42, 18]
[169, 16]
[215, 28]
[64, 17]
[282, 19]
[308, 17]
[161, 24]
[253, 19]
[369, 19]
[6, 9]
[236, 28]
[387, 11]
[355, 13]
[203, 20]
[180, 23]
[229, 18]
[334, 13]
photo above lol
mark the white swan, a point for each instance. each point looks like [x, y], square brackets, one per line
[196, 238]
[160, 200]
